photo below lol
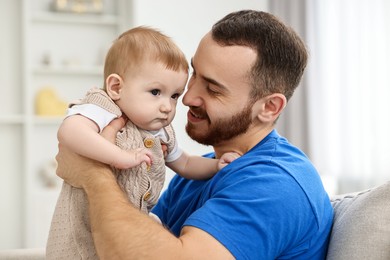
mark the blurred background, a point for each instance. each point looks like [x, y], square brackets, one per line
[52, 51]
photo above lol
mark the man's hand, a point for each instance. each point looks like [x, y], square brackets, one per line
[77, 170]
[164, 149]
[110, 131]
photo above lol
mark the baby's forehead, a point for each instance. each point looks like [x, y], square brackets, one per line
[151, 74]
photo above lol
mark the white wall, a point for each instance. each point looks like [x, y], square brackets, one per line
[11, 181]
[186, 22]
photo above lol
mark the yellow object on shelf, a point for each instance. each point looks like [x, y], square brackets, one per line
[47, 103]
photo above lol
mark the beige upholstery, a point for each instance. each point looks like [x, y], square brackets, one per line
[361, 227]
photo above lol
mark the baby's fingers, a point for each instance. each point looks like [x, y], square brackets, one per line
[148, 158]
[229, 157]
[145, 155]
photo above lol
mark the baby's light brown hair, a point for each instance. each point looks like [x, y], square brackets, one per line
[141, 44]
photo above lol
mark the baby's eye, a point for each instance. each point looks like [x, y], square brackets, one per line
[155, 92]
[175, 96]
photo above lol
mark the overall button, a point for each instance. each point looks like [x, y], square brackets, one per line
[147, 195]
[148, 142]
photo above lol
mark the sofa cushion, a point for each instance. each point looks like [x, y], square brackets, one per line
[361, 226]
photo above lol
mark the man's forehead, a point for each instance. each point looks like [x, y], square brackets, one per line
[241, 51]
[235, 59]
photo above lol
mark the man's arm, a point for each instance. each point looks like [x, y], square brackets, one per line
[121, 231]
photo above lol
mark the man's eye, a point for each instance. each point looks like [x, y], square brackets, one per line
[155, 92]
[212, 92]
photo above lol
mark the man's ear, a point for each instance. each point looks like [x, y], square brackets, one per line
[114, 84]
[270, 107]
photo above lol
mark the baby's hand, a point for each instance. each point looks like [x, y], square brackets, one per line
[227, 158]
[134, 158]
[143, 155]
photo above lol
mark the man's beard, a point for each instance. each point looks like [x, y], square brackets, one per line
[222, 129]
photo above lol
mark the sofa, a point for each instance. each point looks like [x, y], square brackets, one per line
[361, 228]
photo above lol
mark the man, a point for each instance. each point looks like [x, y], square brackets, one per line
[267, 204]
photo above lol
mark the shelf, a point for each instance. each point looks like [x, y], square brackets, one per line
[38, 120]
[11, 119]
[93, 19]
[62, 51]
[48, 120]
[93, 71]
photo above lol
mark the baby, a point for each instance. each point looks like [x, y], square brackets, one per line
[145, 74]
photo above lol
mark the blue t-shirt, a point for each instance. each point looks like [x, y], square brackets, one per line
[267, 204]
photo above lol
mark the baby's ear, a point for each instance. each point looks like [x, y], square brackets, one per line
[114, 84]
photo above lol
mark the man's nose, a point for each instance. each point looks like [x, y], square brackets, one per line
[193, 96]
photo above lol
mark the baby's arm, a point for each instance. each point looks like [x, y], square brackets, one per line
[200, 168]
[81, 135]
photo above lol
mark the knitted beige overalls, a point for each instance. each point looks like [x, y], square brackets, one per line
[70, 232]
